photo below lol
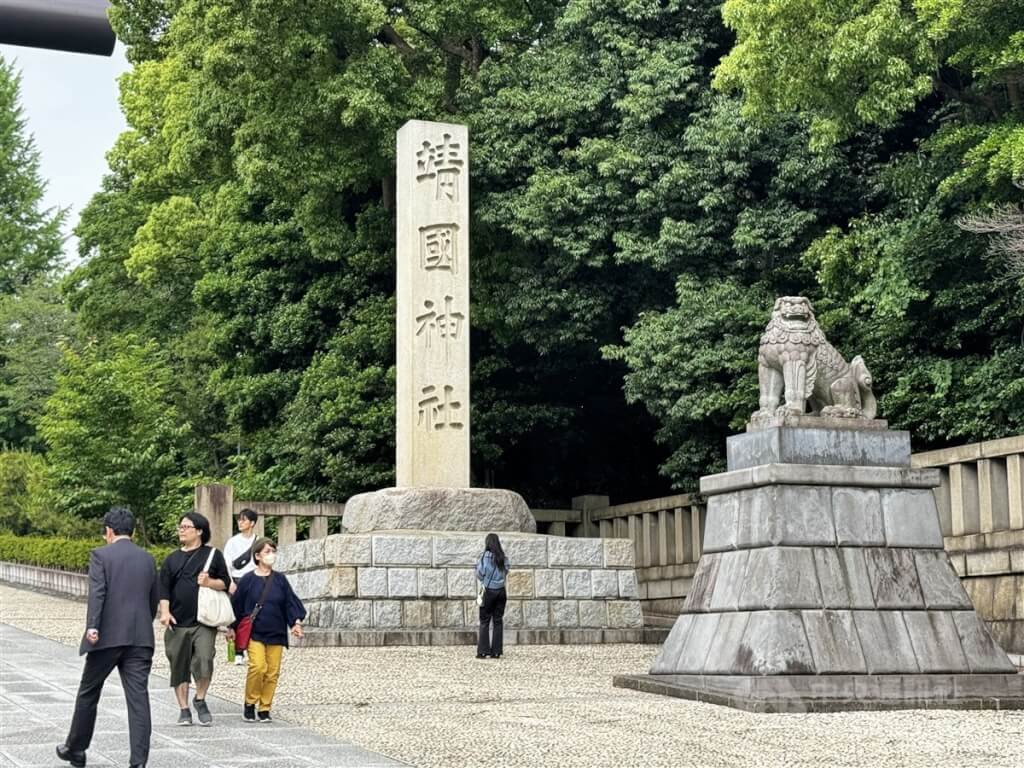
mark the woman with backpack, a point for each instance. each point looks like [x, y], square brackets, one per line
[267, 607]
[491, 570]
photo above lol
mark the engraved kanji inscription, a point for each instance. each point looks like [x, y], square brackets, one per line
[444, 326]
[437, 409]
[442, 163]
[438, 248]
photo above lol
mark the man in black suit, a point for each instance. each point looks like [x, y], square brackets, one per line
[123, 598]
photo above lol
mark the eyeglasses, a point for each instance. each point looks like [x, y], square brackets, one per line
[185, 527]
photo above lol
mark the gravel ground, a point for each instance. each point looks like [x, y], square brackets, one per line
[555, 706]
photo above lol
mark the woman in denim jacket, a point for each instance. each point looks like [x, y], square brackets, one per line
[491, 570]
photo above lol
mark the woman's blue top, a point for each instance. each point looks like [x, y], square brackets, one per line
[280, 611]
[489, 574]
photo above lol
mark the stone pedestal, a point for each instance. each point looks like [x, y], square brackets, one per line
[823, 584]
[438, 509]
[419, 588]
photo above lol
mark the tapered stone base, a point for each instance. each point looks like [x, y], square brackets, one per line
[819, 582]
[837, 693]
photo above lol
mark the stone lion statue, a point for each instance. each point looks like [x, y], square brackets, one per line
[795, 360]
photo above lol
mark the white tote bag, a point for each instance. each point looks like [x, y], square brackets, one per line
[214, 605]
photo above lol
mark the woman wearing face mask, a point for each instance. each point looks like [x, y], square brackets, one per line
[268, 598]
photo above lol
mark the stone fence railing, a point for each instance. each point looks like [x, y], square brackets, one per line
[217, 503]
[70, 583]
[982, 487]
[981, 511]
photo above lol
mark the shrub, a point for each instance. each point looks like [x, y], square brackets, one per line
[26, 503]
[64, 554]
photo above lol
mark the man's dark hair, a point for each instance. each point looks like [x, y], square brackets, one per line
[120, 520]
[249, 514]
[201, 523]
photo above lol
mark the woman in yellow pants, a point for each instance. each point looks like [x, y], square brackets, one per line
[268, 598]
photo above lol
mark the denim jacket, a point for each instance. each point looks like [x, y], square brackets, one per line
[488, 573]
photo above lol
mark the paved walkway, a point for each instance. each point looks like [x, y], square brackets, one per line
[538, 707]
[38, 682]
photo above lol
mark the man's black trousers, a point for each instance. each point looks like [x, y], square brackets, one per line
[133, 664]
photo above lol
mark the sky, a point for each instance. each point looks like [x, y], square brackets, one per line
[69, 101]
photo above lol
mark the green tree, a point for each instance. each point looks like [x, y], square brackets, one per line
[113, 431]
[870, 63]
[30, 239]
[33, 323]
[31, 315]
[938, 84]
[26, 499]
[616, 186]
[247, 223]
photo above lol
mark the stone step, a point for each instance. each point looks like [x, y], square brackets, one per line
[819, 642]
[660, 619]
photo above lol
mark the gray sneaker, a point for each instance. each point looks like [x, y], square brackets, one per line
[205, 718]
[185, 718]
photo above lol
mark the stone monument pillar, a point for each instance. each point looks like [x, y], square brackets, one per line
[432, 409]
[402, 573]
[823, 583]
[432, 406]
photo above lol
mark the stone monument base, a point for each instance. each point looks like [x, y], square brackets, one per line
[823, 585]
[838, 693]
[438, 509]
[419, 588]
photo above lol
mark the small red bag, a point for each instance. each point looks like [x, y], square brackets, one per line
[243, 633]
[243, 630]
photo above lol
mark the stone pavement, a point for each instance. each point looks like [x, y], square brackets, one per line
[38, 681]
[555, 706]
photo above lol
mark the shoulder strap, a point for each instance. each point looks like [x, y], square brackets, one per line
[266, 589]
[185, 565]
[490, 573]
[263, 596]
[213, 551]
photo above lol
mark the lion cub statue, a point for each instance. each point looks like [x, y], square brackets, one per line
[795, 360]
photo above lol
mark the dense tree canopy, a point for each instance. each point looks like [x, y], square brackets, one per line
[632, 224]
[937, 83]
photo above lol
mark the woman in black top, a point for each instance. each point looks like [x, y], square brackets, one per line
[280, 608]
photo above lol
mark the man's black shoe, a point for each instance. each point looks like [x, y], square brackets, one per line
[77, 759]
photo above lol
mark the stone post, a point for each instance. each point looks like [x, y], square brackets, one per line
[318, 527]
[216, 502]
[432, 408]
[286, 530]
[587, 504]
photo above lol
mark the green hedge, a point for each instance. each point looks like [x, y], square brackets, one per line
[65, 554]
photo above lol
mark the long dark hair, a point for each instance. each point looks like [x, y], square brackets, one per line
[493, 545]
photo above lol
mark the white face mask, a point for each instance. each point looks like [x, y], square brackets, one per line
[268, 558]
